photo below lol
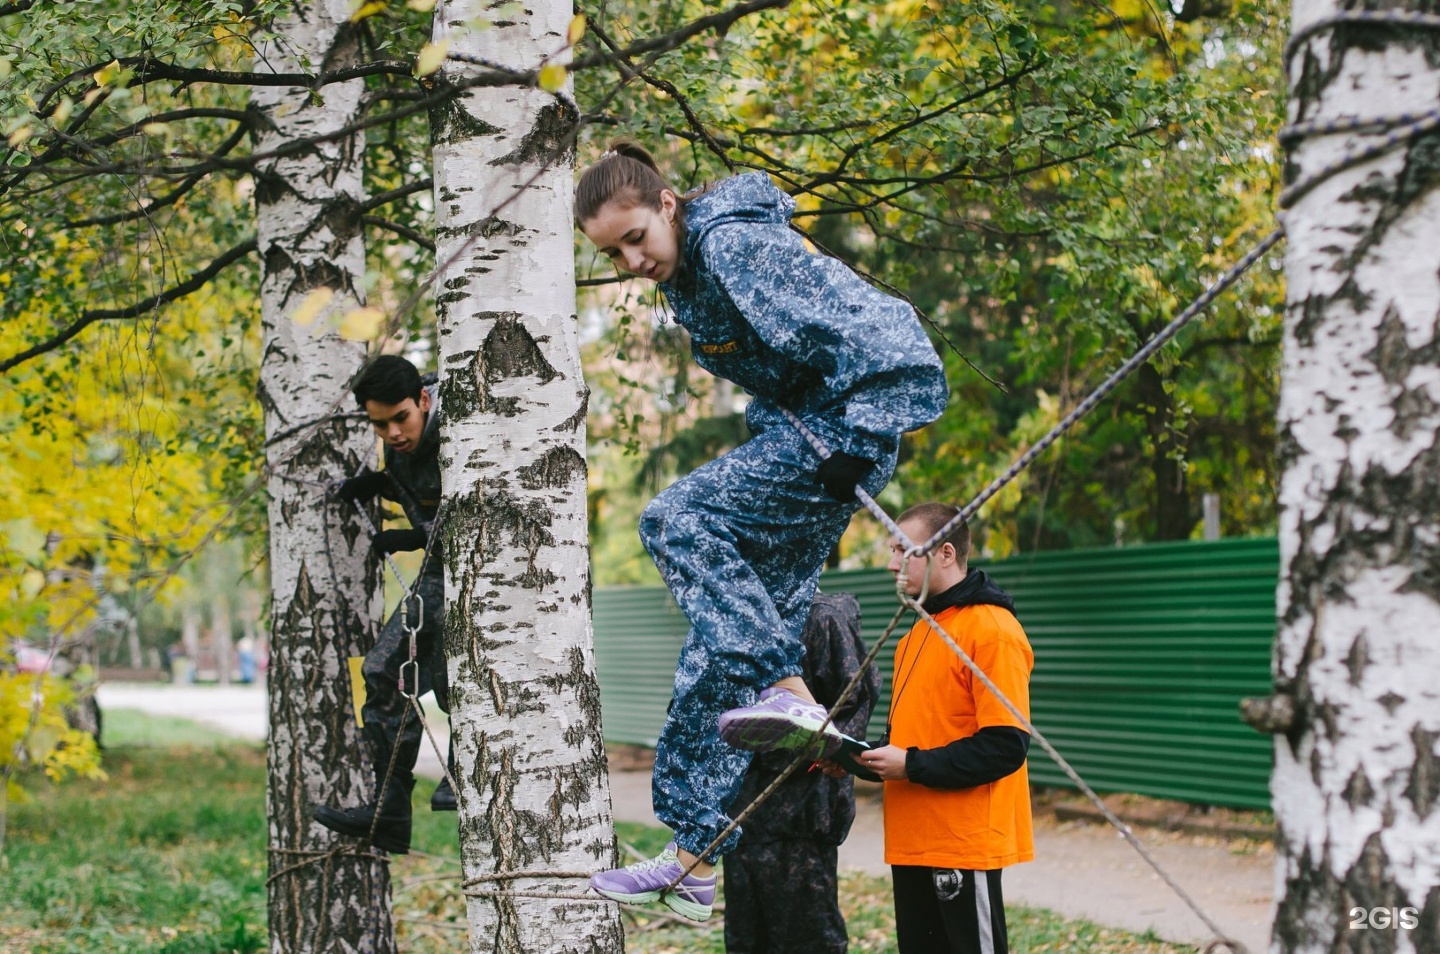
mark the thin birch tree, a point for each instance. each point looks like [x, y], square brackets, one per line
[324, 580]
[534, 795]
[1357, 706]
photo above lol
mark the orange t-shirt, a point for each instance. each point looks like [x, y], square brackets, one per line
[936, 700]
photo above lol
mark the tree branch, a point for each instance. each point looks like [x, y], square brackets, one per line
[170, 198]
[404, 231]
[385, 198]
[148, 69]
[88, 318]
[720, 22]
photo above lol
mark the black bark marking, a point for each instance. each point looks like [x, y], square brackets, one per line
[486, 228]
[1423, 788]
[1427, 934]
[1358, 659]
[1358, 791]
[551, 133]
[511, 352]
[1391, 702]
[557, 467]
[451, 122]
[577, 420]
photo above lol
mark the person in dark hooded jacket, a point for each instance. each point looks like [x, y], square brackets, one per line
[781, 881]
[404, 411]
[741, 541]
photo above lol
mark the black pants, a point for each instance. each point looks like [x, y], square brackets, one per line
[385, 707]
[948, 911]
[782, 898]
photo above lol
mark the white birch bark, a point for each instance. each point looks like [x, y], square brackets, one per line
[1358, 650]
[534, 794]
[324, 602]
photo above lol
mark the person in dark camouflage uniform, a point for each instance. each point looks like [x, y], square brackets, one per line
[781, 893]
[741, 541]
[405, 413]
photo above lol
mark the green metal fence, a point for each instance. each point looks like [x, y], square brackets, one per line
[1141, 657]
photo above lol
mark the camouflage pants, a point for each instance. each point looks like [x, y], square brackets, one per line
[740, 543]
[385, 706]
[782, 898]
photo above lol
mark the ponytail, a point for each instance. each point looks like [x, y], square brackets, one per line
[626, 173]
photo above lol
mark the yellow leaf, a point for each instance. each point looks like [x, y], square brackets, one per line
[63, 110]
[552, 77]
[577, 29]
[431, 56]
[93, 95]
[423, 6]
[31, 583]
[313, 304]
[155, 129]
[4, 67]
[362, 324]
[366, 10]
[18, 137]
[108, 74]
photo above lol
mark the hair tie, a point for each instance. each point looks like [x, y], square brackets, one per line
[608, 154]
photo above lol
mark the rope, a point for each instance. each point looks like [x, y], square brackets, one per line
[1095, 397]
[1074, 776]
[923, 550]
[1385, 18]
[915, 604]
[1394, 138]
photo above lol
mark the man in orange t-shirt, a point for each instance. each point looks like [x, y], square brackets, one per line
[957, 795]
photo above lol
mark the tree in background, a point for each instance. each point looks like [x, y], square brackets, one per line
[324, 580]
[535, 816]
[1357, 711]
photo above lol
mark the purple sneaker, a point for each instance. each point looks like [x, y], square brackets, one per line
[781, 720]
[645, 881]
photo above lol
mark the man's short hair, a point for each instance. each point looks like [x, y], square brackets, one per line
[389, 379]
[932, 516]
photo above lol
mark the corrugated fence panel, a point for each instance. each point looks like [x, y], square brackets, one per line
[1142, 655]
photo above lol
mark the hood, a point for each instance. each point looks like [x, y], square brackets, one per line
[744, 198]
[977, 589]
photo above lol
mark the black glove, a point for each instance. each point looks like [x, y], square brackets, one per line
[389, 541]
[361, 487]
[841, 472]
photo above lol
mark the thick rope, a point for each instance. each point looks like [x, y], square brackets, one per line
[912, 550]
[1392, 139]
[1385, 18]
[1125, 831]
[1094, 398]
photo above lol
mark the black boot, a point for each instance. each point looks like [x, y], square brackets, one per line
[391, 829]
[443, 800]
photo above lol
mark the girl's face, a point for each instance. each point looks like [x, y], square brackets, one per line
[638, 239]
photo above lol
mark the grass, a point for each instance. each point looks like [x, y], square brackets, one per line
[168, 857]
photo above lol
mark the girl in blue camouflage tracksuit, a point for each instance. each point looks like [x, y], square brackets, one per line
[741, 541]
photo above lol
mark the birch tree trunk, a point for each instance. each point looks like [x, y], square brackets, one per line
[525, 704]
[325, 593]
[1358, 651]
